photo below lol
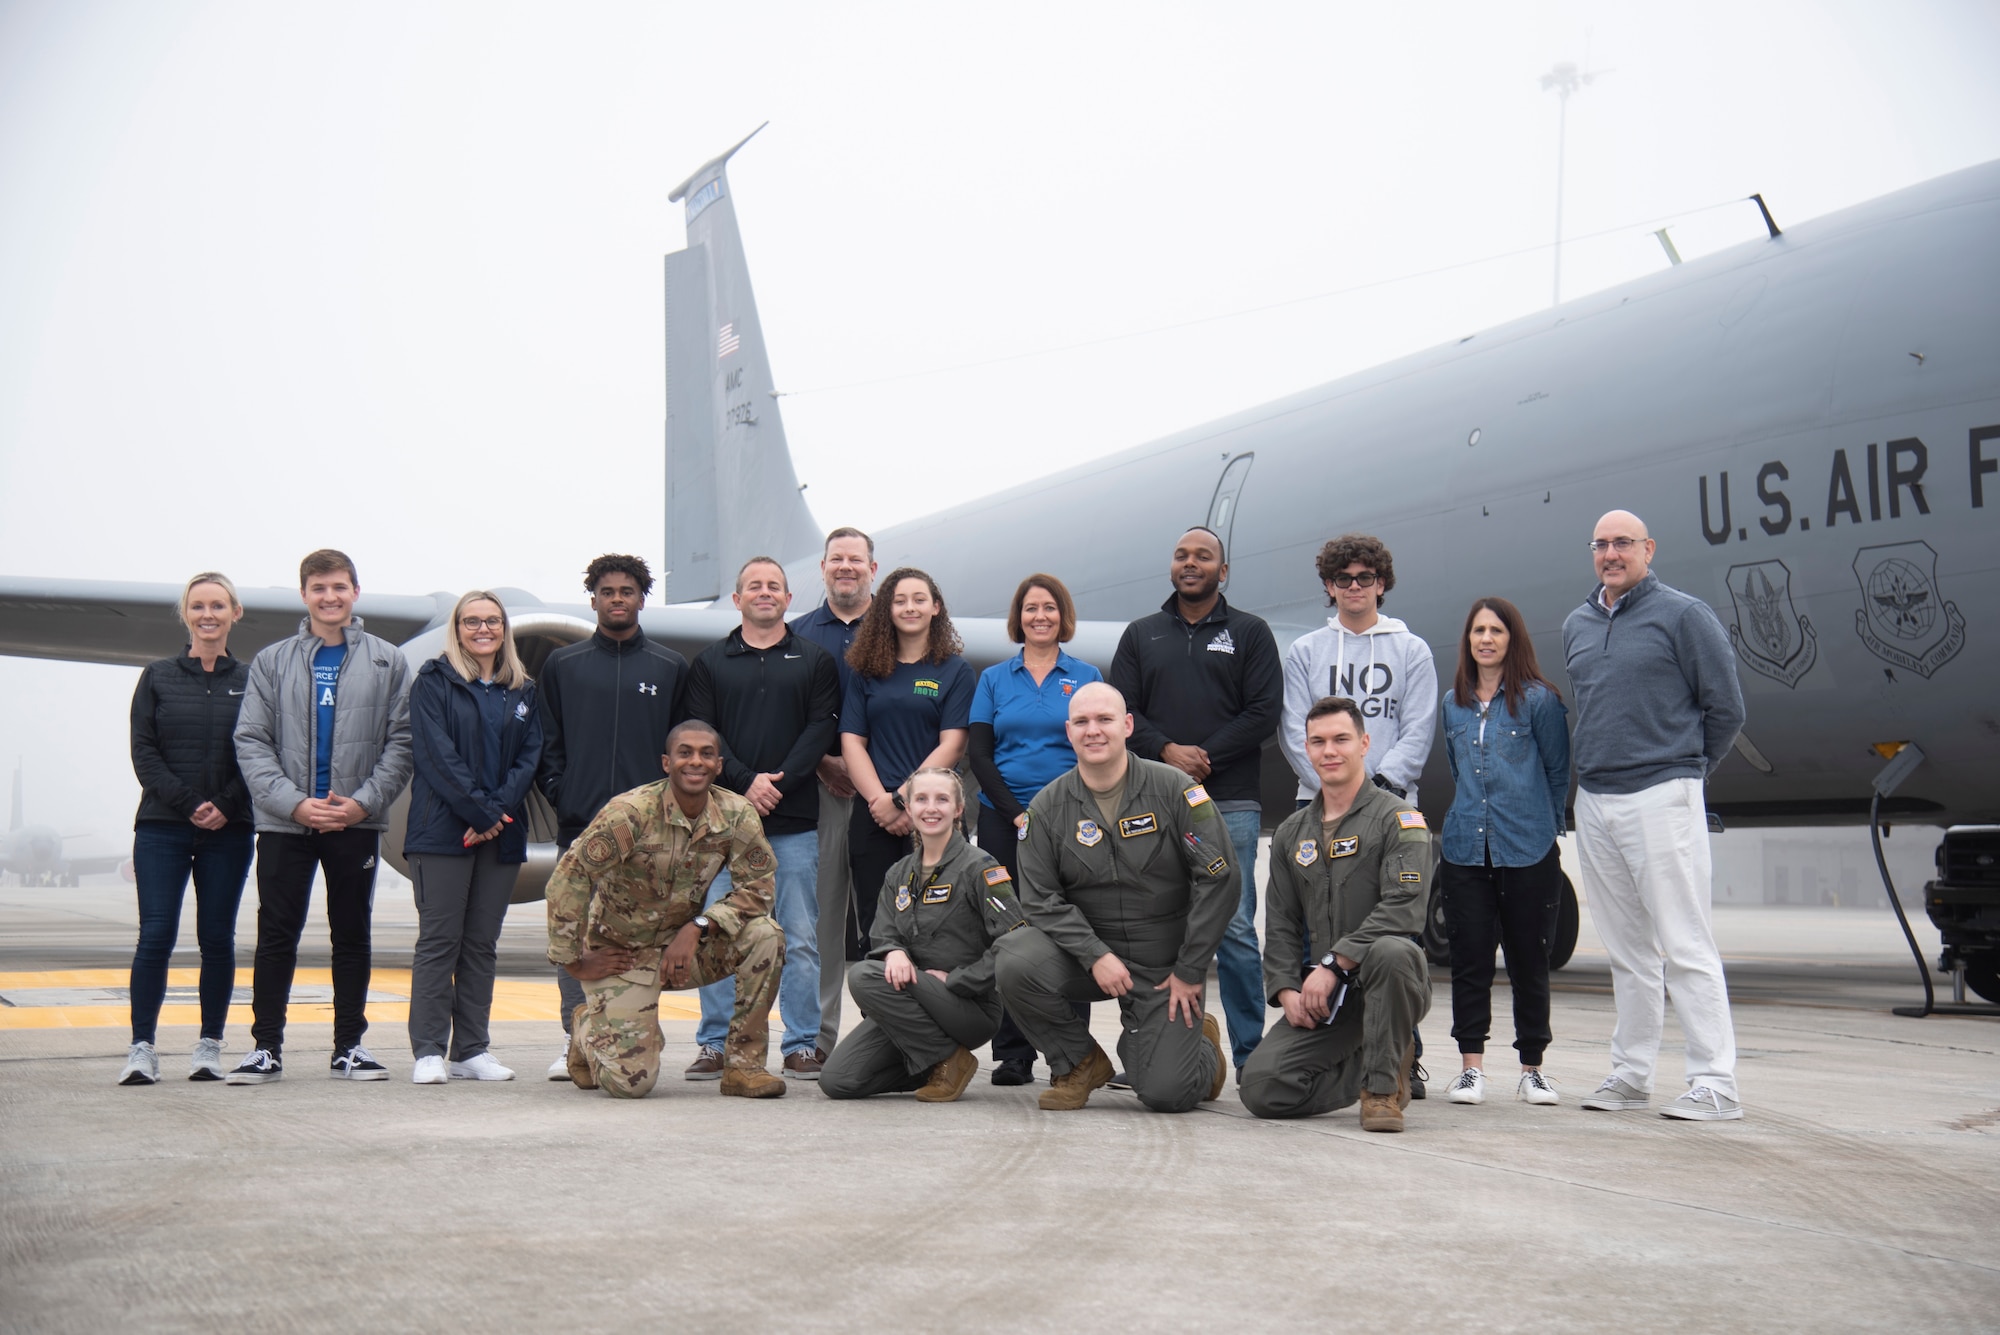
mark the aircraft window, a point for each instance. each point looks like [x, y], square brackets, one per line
[703, 197]
[1473, 439]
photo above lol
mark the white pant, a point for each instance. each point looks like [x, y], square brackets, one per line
[1646, 875]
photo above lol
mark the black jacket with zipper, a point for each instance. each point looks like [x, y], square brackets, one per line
[607, 706]
[775, 710]
[183, 746]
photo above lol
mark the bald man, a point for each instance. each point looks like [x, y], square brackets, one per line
[1657, 708]
[1128, 883]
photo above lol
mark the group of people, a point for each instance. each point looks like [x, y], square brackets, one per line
[813, 814]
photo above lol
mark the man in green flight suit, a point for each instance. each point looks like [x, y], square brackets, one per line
[1350, 873]
[1128, 885]
[626, 919]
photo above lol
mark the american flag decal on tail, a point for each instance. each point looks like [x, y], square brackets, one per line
[727, 342]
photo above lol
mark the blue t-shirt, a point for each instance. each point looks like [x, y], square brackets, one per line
[1030, 743]
[830, 633]
[902, 714]
[326, 680]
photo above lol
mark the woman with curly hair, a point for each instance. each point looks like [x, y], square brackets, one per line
[908, 706]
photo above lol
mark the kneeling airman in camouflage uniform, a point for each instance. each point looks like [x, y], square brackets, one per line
[1350, 872]
[626, 920]
[927, 984]
[1128, 884]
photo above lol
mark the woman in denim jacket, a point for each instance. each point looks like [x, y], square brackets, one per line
[1507, 735]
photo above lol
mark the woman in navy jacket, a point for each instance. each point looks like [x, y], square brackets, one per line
[194, 817]
[1507, 736]
[476, 737]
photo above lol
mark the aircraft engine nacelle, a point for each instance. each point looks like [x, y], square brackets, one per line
[537, 634]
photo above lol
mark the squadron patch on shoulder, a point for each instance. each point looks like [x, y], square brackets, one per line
[1307, 852]
[760, 858]
[1217, 867]
[1411, 877]
[903, 897]
[937, 894]
[997, 876]
[1027, 819]
[1344, 848]
[1196, 795]
[1131, 825]
[1088, 834]
[1411, 820]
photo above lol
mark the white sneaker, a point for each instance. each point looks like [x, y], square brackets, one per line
[559, 1068]
[1469, 1087]
[206, 1063]
[428, 1071]
[1703, 1104]
[142, 1066]
[1536, 1088]
[480, 1067]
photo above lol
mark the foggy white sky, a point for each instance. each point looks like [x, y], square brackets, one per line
[388, 277]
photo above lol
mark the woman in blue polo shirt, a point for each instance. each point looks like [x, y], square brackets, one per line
[1020, 743]
[907, 705]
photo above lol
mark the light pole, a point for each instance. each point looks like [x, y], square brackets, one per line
[1564, 79]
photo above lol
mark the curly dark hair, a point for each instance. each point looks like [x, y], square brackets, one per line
[1348, 548]
[621, 564]
[873, 653]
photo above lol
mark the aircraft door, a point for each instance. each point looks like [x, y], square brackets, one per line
[1222, 509]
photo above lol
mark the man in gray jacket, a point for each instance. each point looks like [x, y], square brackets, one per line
[1350, 876]
[323, 741]
[1657, 708]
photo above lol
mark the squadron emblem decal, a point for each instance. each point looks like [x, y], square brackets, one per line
[903, 898]
[1770, 636]
[1307, 852]
[1088, 833]
[1903, 619]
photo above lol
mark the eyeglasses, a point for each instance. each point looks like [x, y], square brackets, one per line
[1619, 545]
[474, 623]
[1366, 579]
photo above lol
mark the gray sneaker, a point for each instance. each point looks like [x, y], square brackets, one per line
[1702, 1104]
[1614, 1095]
[206, 1063]
[142, 1066]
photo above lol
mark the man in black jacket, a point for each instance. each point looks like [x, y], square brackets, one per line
[607, 704]
[774, 699]
[1205, 686]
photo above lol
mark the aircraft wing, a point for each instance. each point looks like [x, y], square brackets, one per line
[91, 866]
[115, 621]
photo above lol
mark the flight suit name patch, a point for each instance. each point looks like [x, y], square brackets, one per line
[1411, 877]
[1307, 853]
[937, 894]
[1344, 848]
[1217, 867]
[1131, 825]
[1088, 834]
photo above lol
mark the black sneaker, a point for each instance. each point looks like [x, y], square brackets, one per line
[260, 1067]
[1015, 1071]
[1417, 1077]
[1119, 1081]
[357, 1064]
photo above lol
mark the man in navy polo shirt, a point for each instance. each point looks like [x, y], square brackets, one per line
[847, 565]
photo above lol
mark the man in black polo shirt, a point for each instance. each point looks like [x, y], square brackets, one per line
[847, 567]
[607, 705]
[1205, 686]
[774, 699]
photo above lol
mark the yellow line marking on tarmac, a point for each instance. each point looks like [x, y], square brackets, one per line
[513, 999]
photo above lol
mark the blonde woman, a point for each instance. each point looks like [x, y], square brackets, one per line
[926, 987]
[476, 738]
[194, 818]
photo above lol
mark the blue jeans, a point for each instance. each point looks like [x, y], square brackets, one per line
[797, 912]
[163, 854]
[1239, 965]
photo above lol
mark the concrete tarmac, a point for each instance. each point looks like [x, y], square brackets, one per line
[1861, 1192]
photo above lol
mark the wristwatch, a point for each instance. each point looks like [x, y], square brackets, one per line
[1327, 961]
[897, 798]
[703, 924]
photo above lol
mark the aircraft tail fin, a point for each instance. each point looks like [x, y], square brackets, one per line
[731, 491]
[14, 818]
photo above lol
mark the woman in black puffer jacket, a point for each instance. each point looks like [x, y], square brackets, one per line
[194, 817]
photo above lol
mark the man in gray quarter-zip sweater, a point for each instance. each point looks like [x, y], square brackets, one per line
[1658, 707]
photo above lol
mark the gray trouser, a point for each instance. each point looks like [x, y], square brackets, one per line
[1171, 1064]
[1300, 1072]
[461, 902]
[905, 1033]
[835, 885]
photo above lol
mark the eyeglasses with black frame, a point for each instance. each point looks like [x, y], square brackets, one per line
[474, 623]
[1365, 578]
[1621, 545]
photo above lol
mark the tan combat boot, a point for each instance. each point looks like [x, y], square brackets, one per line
[1384, 1112]
[949, 1078]
[752, 1084]
[1211, 1030]
[580, 1073]
[1071, 1090]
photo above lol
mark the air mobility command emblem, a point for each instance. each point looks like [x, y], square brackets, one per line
[1307, 853]
[903, 897]
[1088, 834]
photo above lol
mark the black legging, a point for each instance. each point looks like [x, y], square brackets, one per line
[1509, 907]
[871, 852]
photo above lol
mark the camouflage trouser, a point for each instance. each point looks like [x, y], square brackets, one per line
[619, 1032]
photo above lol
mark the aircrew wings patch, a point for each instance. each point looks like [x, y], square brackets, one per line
[1196, 795]
[1411, 820]
[997, 876]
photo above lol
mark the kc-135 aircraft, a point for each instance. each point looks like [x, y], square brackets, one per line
[1809, 423]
